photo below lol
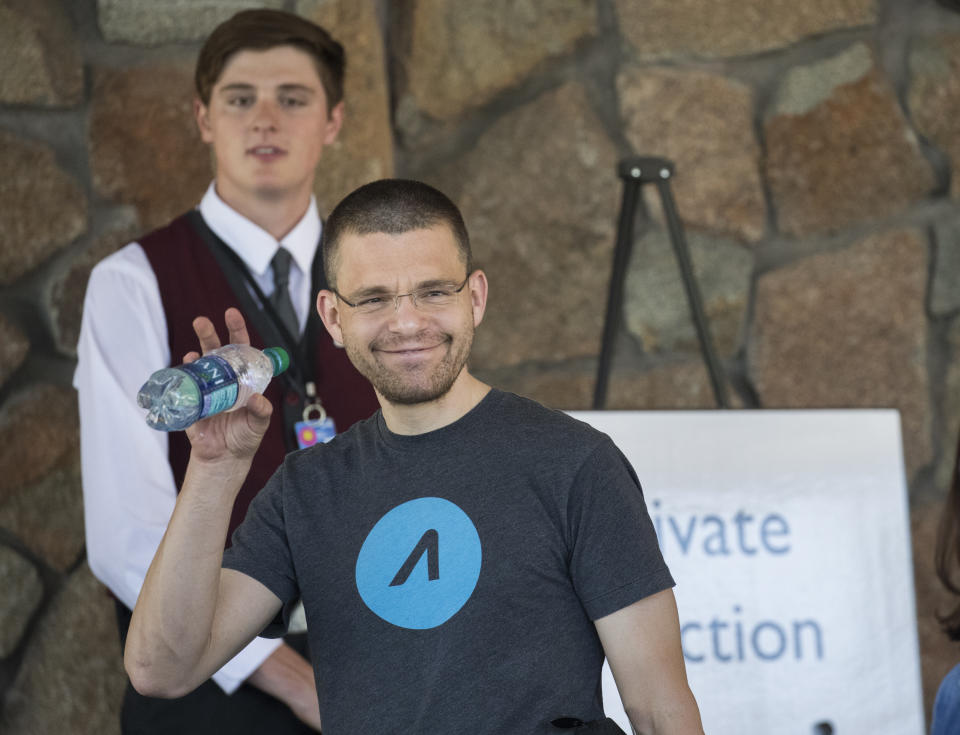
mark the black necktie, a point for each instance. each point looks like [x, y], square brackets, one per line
[280, 298]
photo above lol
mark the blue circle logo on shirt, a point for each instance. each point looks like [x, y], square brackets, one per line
[419, 564]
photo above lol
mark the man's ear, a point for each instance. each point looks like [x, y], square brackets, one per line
[334, 123]
[477, 283]
[201, 114]
[329, 311]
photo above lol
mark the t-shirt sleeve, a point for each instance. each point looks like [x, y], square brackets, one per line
[260, 549]
[615, 558]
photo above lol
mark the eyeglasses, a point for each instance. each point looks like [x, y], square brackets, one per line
[427, 298]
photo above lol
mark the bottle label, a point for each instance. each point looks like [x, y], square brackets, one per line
[217, 382]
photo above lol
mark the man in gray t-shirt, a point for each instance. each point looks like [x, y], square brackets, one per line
[466, 557]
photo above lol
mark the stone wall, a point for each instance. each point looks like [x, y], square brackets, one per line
[817, 158]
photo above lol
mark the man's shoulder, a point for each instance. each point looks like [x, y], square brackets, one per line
[334, 453]
[522, 421]
[516, 408]
[177, 230]
[128, 263]
[132, 257]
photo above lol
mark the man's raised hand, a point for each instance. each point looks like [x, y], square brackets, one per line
[234, 434]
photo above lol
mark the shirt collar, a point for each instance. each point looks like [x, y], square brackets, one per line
[255, 246]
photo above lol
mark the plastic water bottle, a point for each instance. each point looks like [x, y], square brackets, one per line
[221, 380]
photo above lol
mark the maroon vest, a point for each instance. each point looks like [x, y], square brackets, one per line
[192, 284]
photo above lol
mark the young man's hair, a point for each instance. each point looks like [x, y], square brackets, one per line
[260, 30]
[393, 207]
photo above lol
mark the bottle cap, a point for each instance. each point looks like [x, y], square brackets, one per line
[279, 357]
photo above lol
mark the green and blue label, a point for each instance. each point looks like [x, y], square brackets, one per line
[217, 382]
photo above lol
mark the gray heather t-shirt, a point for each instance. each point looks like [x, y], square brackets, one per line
[450, 579]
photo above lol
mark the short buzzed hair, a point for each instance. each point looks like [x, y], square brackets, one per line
[393, 207]
[263, 29]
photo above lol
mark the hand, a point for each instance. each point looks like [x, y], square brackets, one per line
[288, 676]
[235, 434]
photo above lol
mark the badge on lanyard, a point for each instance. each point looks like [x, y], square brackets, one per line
[316, 427]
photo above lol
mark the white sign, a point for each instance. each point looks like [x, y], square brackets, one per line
[787, 533]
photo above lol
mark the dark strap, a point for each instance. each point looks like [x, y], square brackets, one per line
[260, 311]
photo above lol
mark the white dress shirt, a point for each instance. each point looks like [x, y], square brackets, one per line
[128, 487]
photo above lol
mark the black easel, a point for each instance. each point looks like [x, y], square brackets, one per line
[635, 172]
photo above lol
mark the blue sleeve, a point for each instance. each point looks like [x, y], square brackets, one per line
[615, 558]
[946, 708]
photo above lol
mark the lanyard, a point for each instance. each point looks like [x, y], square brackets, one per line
[299, 376]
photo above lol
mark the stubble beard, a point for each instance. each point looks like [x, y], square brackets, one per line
[417, 383]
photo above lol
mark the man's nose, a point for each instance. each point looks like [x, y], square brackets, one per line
[265, 116]
[405, 315]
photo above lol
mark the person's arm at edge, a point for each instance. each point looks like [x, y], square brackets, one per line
[191, 616]
[642, 644]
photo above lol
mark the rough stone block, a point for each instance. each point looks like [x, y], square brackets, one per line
[934, 96]
[363, 151]
[656, 306]
[14, 346]
[72, 674]
[145, 149]
[40, 59]
[682, 28]
[704, 123]
[42, 208]
[22, 592]
[459, 54]
[47, 515]
[839, 150]
[66, 291]
[38, 426]
[676, 385]
[945, 289]
[539, 193]
[950, 436]
[847, 329]
[153, 22]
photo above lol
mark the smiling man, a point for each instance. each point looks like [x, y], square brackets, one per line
[269, 89]
[466, 557]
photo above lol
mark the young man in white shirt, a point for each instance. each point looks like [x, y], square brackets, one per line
[269, 99]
